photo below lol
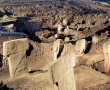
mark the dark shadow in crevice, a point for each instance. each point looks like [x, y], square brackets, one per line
[8, 13]
[80, 29]
[56, 84]
[103, 31]
[28, 52]
[32, 71]
[83, 22]
[7, 23]
[37, 71]
[2, 14]
[88, 48]
[34, 38]
[60, 50]
[73, 42]
[106, 22]
[89, 38]
[1, 58]
[4, 86]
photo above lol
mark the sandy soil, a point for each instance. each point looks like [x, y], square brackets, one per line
[85, 77]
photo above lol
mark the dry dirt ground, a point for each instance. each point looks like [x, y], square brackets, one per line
[85, 77]
[89, 19]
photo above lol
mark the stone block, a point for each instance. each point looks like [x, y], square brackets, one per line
[106, 51]
[67, 82]
[15, 46]
[60, 66]
[17, 63]
[80, 46]
[106, 47]
[107, 63]
[95, 39]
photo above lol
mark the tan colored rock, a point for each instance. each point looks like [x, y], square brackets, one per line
[106, 51]
[66, 31]
[56, 47]
[65, 22]
[95, 39]
[5, 17]
[106, 47]
[60, 66]
[107, 63]
[17, 64]
[80, 46]
[73, 26]
[59, 28]
[66, 39]
[67, 82]
[15, 46]
[91, 59]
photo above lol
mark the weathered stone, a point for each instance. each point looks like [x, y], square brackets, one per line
[59, 29]
[65, 22]
[14, 46]
[67, 82]
[56, 47]
[95, 39]
[66, 31]
[106, 51]
[66, 39]
[17, 63]
[68, 47]
[73, 26]
[80, 46]
[106, 47]
[107, 63]
[60, 66]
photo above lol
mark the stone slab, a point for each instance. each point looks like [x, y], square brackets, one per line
[67, 82]
[106, 51]
[106, 47]
[80, 46]
[17, 63]
[60, 66]
[107, 63]
[15, 46]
